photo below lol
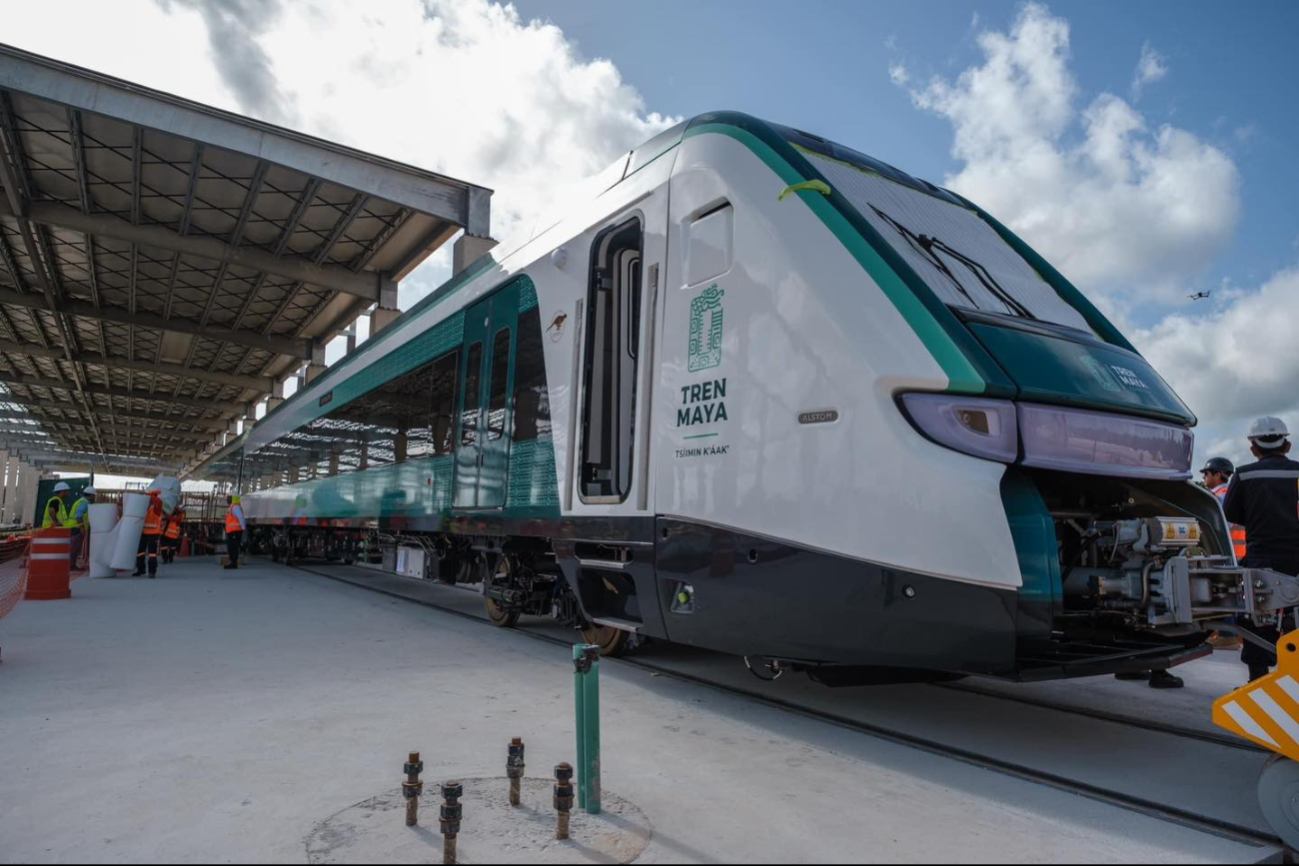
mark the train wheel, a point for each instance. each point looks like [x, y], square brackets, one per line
[499, 616]
[1278, 797]
[613, 642]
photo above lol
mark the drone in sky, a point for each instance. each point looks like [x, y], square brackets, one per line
[1200, 296]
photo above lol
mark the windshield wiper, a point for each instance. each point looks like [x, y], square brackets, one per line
[929, 247]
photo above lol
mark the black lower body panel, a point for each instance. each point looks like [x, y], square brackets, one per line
[756, 597]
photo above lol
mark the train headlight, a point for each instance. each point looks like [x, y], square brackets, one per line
[1099, 443]
[973, 425]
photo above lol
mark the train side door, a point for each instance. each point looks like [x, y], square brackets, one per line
[486, 387]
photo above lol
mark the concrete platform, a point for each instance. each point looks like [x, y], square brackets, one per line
[216, 716]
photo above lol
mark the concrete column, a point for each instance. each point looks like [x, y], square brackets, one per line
[399, 447]
[333, 463]
[317, 365]
[350, 334]
[365, 455]
[388, 309]
[293, 474]
[28, 480]
[468, 250]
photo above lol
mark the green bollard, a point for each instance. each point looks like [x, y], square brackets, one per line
[593, 733]
[579, 713]
[586, 687]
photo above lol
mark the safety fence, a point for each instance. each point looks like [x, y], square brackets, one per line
[13, 572]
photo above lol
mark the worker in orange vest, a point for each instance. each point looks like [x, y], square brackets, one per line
[149, 538]
[171, 535]
[235, 526]
[1216, 473]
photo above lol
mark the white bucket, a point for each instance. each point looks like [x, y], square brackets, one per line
[103, 537]
[127, 544]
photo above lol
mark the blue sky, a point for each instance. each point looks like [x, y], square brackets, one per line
[825, 68]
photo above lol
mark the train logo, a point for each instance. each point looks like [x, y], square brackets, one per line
[706, 343]
[556, 329]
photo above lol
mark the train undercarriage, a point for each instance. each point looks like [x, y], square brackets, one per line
[517, 577]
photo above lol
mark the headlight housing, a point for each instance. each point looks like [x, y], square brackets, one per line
[1098, 443]
[1053, 437]
[973, 425]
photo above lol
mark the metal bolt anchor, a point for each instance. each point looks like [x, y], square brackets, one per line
[514, 769]
[450, 819]
[563, 798]
[412, 788]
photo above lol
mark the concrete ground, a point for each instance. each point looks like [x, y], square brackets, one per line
[217, 716]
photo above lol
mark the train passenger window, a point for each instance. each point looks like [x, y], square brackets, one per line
[446, 372]
[531, 397]
[609, 386]
[469, 414]
[497, 393]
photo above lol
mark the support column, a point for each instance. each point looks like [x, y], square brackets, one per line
[333, 463]
[467, 250]
[317, 365]
[28, 481]
[277, 396]
[388, 309]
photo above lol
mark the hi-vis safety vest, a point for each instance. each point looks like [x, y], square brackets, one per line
[174, 525]
[232, 520]
[1237, 531]
[58, 516]
[85, 518]
[153, 518]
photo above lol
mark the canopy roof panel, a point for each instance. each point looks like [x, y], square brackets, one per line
[163, 263]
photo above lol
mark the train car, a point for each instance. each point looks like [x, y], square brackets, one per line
[761, 393]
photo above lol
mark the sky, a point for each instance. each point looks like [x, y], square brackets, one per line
[1150, 150]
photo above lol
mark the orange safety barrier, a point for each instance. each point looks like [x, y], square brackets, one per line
[47, 565]
[13, 572]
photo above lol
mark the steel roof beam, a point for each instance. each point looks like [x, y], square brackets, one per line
[425, 191]
[247, 383]
[15, 378]
[331, 277]
[50, 405]
[117, 434]
[294, 348]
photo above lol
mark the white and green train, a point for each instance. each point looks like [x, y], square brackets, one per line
[764, 394]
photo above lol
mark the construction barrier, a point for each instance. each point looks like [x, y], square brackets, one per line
[13, 572]
[48, 575]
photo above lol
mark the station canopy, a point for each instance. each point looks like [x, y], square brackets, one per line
[164, 265]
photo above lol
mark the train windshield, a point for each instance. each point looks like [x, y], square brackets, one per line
[958, 255]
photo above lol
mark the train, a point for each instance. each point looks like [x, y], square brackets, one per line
[761, 393]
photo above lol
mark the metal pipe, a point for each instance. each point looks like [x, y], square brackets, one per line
[586, 662]
[412, 788]
[514, 769]
[449, 820]
[563, 798]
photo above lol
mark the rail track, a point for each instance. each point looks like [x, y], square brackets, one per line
[1120, 799]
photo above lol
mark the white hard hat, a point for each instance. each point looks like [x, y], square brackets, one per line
[1268, 433]
[61, 486]
[89, 491]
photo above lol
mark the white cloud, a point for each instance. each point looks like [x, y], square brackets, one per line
[1151, 67]
[1112, 202]
[898, 74]
[1234, 364]
[463, 87]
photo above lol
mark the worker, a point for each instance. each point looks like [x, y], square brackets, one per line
[1264, 498]
[171, 536]
[149, 537]
[79, 523]
[56, 508]
[235, 526]
[1217, 473]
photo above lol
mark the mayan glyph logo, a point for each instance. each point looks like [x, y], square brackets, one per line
[706, 329]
